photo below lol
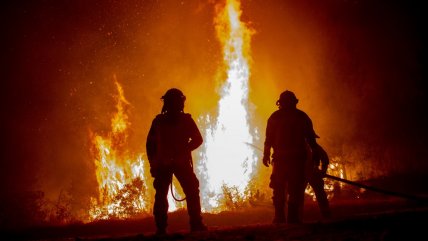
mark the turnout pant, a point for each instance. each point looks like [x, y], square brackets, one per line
[190, 184]
[288, 179]
[317, 183]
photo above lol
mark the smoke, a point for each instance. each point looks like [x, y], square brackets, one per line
[357, 68]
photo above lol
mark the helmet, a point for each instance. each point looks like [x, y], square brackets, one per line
[173, 101]
[287, 98]
[173, 94]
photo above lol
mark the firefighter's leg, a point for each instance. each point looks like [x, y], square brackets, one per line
[301, 211]
[279, 200]
[296, 192]
[317, 184]
[160, 209]
[190, 185]
[278, 184]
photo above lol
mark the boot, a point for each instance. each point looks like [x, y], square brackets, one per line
[325, 208]
[161, 224]
[161, 231]
[194, 211]
[199, 227]
[279, 205]
[279, 215]
[196, 224]
[326, 213]
[293, 215]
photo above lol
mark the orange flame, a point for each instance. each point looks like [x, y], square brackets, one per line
[228, 158]
[119, 123]
[335, 168]
[120, 174]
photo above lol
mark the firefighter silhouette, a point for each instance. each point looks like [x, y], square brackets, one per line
[172, 137]
[289, 131]
[315, 175]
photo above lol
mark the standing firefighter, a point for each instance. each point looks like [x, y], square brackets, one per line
[288, 132]
[171, 139]
[315, 177]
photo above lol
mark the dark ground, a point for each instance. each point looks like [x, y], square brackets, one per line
[380, 218]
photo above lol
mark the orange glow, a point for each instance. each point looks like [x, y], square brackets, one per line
[120, 174]
[75, 135]
[228, 154]
[124, 185]
[335, 168]
[228, 158]
[120, 122]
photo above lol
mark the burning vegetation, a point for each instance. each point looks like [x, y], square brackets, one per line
[120, 174]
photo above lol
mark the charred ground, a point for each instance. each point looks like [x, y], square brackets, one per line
[382, 219]
[357, 215]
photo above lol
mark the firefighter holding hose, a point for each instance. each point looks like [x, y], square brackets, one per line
[317, 169]
[172, 137]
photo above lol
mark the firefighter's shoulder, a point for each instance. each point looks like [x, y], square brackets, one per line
[187, 115]
[275, 114]
[158, 117]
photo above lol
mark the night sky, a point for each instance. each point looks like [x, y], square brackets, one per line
[357, 67]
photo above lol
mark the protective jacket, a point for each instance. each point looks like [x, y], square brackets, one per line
[171, 139]
[288, 132]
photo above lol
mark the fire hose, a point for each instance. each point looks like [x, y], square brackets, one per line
[375, 189]
[172, 193]
[367, 187]
[170, 185]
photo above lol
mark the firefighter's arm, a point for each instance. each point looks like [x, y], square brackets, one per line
[268, 143]
[195, 136]
[324, 159]
[151, 148]
[311, 137]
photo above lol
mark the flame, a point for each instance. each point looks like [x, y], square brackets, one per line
[120, 174]
[120, 122]
[336, 168]
[228, 158]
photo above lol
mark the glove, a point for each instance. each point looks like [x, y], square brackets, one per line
[266, 160]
